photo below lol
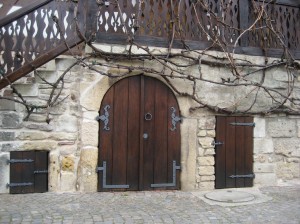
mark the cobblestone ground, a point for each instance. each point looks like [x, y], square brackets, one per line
[146, 207]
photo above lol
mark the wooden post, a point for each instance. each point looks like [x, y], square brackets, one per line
[244, 21]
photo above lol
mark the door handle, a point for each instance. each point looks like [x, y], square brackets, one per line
[145, 135]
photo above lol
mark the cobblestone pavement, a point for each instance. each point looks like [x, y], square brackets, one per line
[146, 207]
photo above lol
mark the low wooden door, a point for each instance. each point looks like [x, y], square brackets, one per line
[28, 172]
[234, 152]
[139, 140]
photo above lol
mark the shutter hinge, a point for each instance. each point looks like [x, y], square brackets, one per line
[20, 161]
[243, 124]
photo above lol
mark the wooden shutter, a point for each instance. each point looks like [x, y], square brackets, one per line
[28, 172]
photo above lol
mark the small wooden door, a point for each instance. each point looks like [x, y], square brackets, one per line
[28, 172]
[139, 140]
[234, 152]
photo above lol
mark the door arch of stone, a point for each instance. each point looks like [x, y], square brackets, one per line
[139, 136]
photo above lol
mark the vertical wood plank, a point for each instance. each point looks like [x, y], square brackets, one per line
[148, 146]
[133, 132]
[16, 170]
[220, 156]
[120, 133]
[230, 152]
[106, 138]
[248, 152]
[240, 151]
[161, 134]
[41, 179]
[141, 123]
[244, 21]
[173, 140]
[28, 171]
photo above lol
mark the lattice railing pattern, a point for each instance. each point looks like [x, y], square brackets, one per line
[31, 35]
[157, 18]
[286, 22]
[194, 23]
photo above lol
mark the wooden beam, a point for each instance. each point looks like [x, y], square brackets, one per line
[23, 11]
[44, 58]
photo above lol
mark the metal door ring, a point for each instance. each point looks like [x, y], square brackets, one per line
[148, 117]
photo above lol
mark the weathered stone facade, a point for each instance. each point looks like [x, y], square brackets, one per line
[71, 137]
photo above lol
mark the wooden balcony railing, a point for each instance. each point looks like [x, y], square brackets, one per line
[43, 29]
[196, 26]
[34, 35]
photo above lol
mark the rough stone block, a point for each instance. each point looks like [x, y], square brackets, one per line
[4, 172]
[90, 133]
[205, 186]
[7, 136]
[264, 168]
[200, 151]
[188, 153]
[67, 123]
[27, 90]
[87, 177]
[10, 120]
[265, 179]
[263, 145]
[67, 163]
[67, 182]
[287, 147]
[207, 123]
[260, 127]
[7, 147]
[26, 135]
[206, 170]
[63, 63]
[288, 171]
[38, 145]
[39, 126]
[206, 142]
[49, 66]
[209, 152]
[206, 161]
[282, 127]
[7, 105]
[60, 136]
[202, 133]
[54, 171]
[207, 178]
[211, 133]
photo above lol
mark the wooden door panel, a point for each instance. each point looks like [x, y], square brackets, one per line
[23, 175]
[106, 137]
[120, 133]
[134, 134]
[234, 158]
[173, 139]
[240, 151]
[230, 152]
[220, 148]
[41, 172]
[149, 129]
[248, 152]
[137, 149]
[161, 134]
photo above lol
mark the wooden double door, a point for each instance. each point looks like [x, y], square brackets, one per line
[139, 136]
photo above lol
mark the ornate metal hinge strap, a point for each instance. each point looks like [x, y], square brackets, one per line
[105, 118]
[175, 119]
[252, 175]
[173, 184]
[104, 185]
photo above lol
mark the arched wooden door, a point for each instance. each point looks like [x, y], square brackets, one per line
[139, 136]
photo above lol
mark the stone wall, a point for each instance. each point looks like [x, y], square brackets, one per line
[71, 137]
